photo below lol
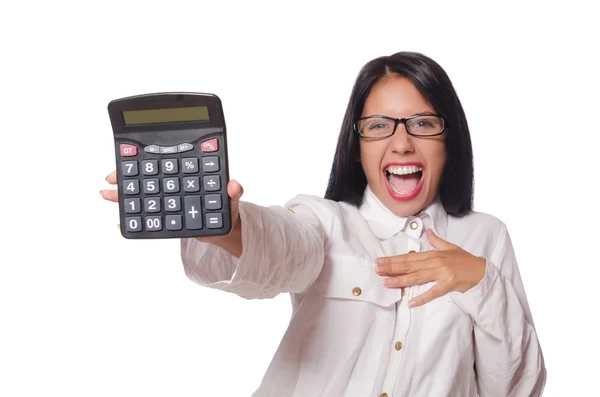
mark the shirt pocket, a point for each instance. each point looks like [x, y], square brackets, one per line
[353, 278]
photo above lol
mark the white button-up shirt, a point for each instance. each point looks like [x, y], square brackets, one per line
[349, 335]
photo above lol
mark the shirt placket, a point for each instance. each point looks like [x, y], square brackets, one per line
[395, 370]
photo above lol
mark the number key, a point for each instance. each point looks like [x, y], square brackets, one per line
[152, 204]
[171, 185]
[169, 166]
[153, 223]
[132, 205]
[131, 186]
[151, 186]
[150, 167]
[173, 203]
[129, 168]
[133, 224]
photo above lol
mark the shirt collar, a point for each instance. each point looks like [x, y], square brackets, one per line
[385, 224]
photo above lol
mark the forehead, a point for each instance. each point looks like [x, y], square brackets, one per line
[395, 97]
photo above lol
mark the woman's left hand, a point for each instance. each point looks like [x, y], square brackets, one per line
[453, 268]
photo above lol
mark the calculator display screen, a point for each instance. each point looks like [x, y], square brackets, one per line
[170, 115]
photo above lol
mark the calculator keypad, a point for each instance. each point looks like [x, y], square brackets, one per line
[172, 192]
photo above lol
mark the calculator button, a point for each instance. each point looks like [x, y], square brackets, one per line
[210, 164]
[169, 166]
[193, 214]
[150, 167]
[151, 186]
[211, 145]
[173, 204]
[133, 224]
[191, 184]
[171, 185]
[211, 183]
[152, 204]
[189, 165]
[128, 150]
[168, 149]
[153, 223]
[129, 168]
[154, 149]
[131, 186]
[214, 221]
[132, 205]
[173, 222]
[184, 147]
[212, 202]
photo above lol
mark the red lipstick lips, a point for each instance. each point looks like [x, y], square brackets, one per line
[409, 196]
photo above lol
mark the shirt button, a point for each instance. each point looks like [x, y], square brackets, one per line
[356, 291]
[399, 345]
[414, 225]
[403, 292]
[383, 395]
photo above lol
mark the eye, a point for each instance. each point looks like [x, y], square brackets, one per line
[375, 126]
[423, 123]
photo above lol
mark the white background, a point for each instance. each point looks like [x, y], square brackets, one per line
[84, 312]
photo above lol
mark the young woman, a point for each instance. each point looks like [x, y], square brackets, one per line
[398, 287]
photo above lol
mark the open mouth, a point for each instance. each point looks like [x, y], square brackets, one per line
[404, 181]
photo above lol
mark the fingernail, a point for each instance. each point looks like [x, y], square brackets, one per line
[101, 192]
[412, 303]
[380, 269]
[379, 260]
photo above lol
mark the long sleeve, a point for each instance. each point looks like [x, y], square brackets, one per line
[508, 357]
[283, 251]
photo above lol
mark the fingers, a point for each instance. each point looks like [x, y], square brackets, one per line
[110, 195]
[434, 292]
[235, 190]
[405, 264]
[419, 277]
[112, 178]
[439, 243]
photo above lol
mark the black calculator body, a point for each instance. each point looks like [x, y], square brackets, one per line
[172, 165]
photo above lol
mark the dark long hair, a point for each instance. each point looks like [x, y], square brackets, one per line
[347, 180]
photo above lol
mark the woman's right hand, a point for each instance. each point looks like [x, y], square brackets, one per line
[231, 242]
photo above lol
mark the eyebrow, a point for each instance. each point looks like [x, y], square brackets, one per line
[426, 113]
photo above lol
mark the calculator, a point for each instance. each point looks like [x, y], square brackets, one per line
[172, 165]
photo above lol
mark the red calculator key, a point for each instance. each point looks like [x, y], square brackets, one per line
[212, 145]
[128, 150]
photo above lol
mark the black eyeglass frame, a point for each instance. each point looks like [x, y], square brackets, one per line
[398, 121]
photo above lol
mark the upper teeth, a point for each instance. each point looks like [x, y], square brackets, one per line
[404, 169]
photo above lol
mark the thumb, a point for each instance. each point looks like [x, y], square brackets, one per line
[235, 192]
[437, 242]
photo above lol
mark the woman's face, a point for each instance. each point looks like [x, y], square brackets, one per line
[403, 171]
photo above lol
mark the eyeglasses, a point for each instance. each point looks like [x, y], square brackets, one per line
[383, 126]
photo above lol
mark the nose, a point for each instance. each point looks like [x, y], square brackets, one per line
[402, 142]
